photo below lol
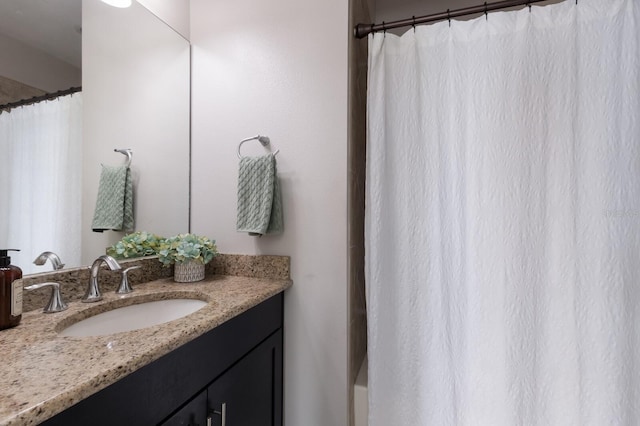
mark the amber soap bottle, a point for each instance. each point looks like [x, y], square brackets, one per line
[10, 291]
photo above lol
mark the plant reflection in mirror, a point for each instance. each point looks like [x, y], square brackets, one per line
[137, 244]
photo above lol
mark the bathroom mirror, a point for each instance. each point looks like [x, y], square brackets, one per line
[136, 88]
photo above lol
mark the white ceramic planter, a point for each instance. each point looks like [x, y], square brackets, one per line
[188, 272]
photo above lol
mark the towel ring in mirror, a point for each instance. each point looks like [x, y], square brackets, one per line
[264, 140]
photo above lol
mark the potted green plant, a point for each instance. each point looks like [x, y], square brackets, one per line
[136, 244]
[189, 253]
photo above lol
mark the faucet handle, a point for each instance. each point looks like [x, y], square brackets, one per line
[56, 304]
[125, 287]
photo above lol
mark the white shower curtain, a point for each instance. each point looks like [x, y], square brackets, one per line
[40, 175]
[503, 219]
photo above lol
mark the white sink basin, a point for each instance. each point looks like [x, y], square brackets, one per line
[133, 317]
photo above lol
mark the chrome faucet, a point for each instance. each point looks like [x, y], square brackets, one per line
[54, 258]
[93, 290]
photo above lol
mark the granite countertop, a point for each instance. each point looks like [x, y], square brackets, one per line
[43, 373]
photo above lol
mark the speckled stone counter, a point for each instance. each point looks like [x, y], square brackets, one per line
[73, 281]
[43, 373]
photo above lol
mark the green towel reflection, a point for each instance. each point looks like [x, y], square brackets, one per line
[114, 206]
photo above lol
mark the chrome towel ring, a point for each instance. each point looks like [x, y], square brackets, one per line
[128, 152]
[264, 140]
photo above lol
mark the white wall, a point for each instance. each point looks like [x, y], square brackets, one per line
[135, 95]
[174, 13]
[35, 68]
[279, 68]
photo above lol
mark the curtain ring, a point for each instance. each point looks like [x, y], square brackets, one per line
[529, 4]
[449, 18]
[384, 28]
[414, 23]
[486, 12]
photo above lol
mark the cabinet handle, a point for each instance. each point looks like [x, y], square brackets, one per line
[222, 413]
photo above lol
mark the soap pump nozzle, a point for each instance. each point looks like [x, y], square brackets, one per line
[5, 260]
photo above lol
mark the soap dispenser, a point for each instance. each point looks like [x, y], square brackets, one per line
[10, 291]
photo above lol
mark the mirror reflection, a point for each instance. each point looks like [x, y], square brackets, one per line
[135, 79]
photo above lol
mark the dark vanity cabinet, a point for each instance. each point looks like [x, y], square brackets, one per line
[246, 394]
[232, 374]
[194, 413]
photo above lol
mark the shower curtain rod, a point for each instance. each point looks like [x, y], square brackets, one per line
[36, 99]
[363, 30]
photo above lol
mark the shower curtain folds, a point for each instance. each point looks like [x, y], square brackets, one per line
[41, 176]
[503, 219]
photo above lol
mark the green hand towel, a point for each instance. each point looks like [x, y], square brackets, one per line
[259, 196]
[114, 205]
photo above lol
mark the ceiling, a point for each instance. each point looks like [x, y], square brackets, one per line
[53, 26]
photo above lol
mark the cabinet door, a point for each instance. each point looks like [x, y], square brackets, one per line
[250, 392]
[194, 413]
